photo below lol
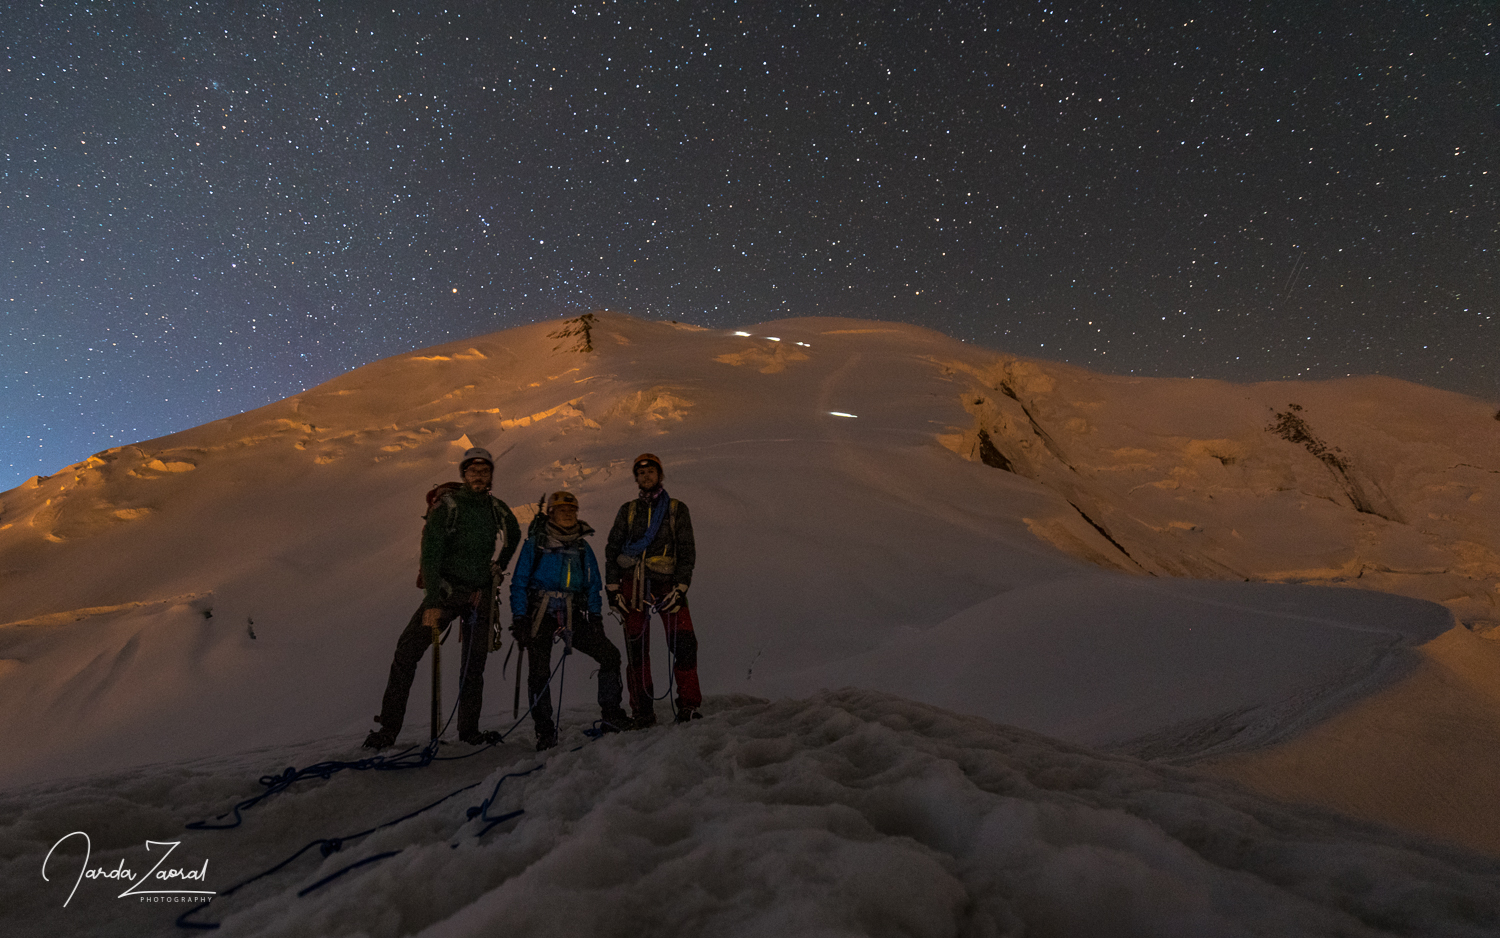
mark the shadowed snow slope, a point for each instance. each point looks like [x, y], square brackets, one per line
[852, 813]
[875, 505]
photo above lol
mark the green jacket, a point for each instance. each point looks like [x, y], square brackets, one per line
[460, 536]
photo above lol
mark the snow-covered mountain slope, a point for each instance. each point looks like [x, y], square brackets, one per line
[1368, 482]
[241, 584]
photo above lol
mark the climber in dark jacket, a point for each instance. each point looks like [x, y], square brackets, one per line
[648, 564]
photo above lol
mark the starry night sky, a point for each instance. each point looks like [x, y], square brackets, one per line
[211, 206]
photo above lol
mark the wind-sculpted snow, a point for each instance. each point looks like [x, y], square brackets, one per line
[850, 813]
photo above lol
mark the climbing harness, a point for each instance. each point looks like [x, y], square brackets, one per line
[639, 564]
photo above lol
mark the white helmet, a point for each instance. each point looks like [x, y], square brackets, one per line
[476, 454]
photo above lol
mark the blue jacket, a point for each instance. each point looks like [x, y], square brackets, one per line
[571, 570]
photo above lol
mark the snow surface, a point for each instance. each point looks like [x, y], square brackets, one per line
[179, 616]
[853, 813]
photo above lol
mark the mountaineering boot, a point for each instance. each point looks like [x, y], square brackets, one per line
[486, 738]
[546, 738]
[643, 719]
[380, 739]
[688, 714]
[613, 720]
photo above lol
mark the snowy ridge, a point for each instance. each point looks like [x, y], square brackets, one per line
[1366, 482]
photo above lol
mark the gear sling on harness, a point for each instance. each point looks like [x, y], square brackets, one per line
[632, 555]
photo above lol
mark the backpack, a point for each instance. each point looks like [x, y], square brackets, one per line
[443, 493]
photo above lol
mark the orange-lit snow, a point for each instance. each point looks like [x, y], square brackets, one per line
[1097, 592]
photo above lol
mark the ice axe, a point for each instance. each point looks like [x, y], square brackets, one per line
[515, 704]
[437, 683]
[533, 529]
[431, 618]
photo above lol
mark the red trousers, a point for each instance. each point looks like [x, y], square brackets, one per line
[681, 643]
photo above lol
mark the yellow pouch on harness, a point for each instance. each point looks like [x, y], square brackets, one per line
[661, 563]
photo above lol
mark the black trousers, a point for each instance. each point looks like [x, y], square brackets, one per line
[590, 640]
[415, 641]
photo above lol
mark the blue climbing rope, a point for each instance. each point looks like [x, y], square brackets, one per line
[326, 845]
[409, 758]
[331, 845]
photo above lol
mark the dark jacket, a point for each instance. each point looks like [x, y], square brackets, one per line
[460, 535]
[672, 547]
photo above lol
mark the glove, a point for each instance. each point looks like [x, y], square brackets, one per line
[616, 599]
[432, 618]
[520, 628]
[673, 600]
[595, 621]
